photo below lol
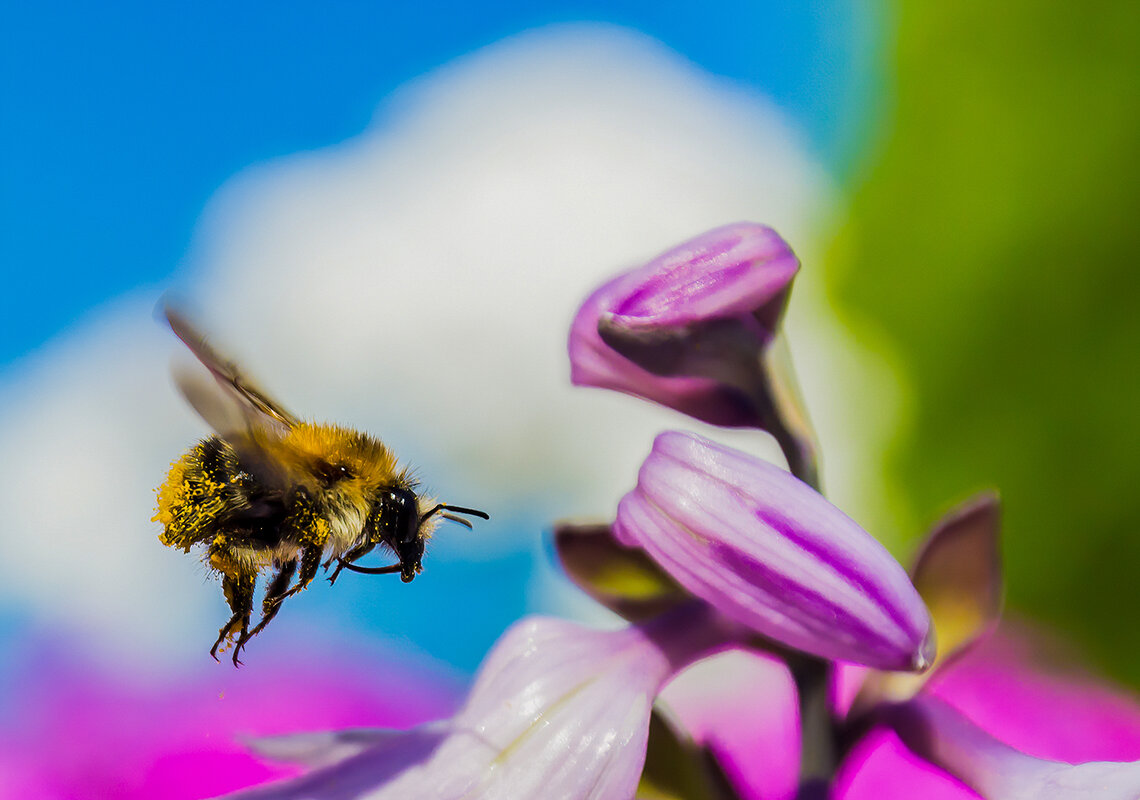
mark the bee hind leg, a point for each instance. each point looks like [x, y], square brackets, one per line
[271, 603]
[239, 594]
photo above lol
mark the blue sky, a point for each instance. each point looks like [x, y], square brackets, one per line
[120, 120]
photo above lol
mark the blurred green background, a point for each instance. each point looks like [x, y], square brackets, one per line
[992, 241]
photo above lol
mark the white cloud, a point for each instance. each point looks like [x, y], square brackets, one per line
[426, 272]
[416, 281]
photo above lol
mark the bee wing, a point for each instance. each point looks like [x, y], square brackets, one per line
[254, 408]
[235, 407]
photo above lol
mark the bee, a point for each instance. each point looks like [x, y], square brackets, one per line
[272, 493]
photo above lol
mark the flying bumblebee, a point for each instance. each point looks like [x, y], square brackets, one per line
[270, 492]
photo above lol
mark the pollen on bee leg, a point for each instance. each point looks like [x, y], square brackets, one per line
[221, 558]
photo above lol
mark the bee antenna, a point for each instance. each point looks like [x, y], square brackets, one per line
[458, 510]
[472, 511]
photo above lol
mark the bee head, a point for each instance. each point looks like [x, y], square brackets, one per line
[404, 507]
[398, 522]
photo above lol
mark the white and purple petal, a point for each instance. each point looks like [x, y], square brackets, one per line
[735, 270]
[557, 711]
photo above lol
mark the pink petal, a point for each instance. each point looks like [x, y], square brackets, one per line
[880, 767]
[1006, 686]
[742, 705]
[943, 736]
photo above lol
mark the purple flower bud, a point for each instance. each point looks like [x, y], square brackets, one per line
[771, 553]
[557, 710]
[686, 330]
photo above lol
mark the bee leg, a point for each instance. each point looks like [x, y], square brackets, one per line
[354, 554]
[310, 563]
[376, 570]
[271, 603]
[239, 594]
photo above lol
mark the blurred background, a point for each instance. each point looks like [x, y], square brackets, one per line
[388, 214]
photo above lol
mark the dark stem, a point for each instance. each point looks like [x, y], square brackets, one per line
[818, 757]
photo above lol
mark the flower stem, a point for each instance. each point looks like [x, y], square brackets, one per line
[817, 755]
[781, 414]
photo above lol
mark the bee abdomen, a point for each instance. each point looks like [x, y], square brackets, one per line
[203, 487]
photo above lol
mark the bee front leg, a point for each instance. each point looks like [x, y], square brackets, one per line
[352, 555]
[238, 590]
[271, 603]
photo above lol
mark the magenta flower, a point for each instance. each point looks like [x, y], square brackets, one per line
[771, 553]
[557, 710]
[663, 331]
